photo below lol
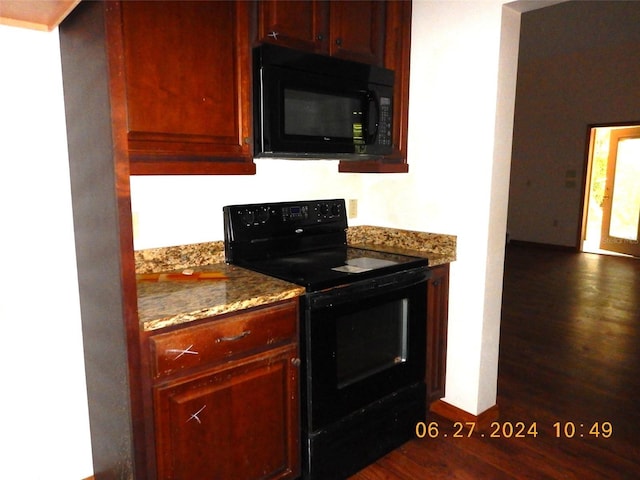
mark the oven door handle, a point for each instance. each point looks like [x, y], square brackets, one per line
[367, 288]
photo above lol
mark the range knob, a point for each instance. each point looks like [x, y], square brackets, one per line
[324, 209]
[263, 214]
[248, 217]
[335, 209]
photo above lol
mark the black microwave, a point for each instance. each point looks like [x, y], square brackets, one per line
[315, 106]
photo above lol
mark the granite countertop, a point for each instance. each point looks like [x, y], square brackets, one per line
[167, 303]
[184, 256]
[436, 247]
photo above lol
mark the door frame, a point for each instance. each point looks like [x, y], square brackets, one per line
[587, 175]
[617, 244]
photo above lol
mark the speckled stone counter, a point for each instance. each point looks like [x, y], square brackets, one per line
[184, 256]
[437, 248]
[168, 303]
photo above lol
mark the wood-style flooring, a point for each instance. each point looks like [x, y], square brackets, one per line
[569, 353]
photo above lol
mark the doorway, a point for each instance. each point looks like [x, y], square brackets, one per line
[612, 200]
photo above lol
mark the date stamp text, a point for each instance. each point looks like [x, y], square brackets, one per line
[567, 429]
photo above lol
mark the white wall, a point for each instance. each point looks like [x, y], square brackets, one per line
[175, 210]
[458, 180]
[579, 66]
[43, 404]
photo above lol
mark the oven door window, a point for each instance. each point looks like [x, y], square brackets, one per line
[371, 340]
[362, 348]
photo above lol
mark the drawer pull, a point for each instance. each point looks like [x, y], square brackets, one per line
[233, 338]
[182, 351]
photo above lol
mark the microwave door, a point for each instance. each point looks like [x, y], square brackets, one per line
[303, 114]
[323, 120]
[314, 106]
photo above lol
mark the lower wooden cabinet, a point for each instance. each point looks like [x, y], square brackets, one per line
[237, 419]
[437, 325]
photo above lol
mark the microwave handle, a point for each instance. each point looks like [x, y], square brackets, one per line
[375, 103]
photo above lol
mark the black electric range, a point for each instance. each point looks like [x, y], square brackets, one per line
[362, 330]
[304, 243]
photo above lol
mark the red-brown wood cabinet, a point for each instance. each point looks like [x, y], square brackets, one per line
[376, 32]
[187, 73]
[229, 408]
[344, 29]
[181, 81]
[437, 324]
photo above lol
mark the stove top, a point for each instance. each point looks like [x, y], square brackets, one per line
[323, 269]
[304, 243]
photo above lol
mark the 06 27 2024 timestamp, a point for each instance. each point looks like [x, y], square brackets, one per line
[508, 429]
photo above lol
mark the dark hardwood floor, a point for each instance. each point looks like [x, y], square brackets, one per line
[569, 353]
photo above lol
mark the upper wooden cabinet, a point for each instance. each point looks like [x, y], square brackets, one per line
[302, 25]
[182, 76]
[345, 29]
[375, 32]
[357, 30]
[180, 80]
[397, 56]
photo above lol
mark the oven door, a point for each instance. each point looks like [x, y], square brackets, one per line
[363, 342]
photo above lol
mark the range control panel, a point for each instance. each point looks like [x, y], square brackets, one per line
[279, 215]
[265, 230]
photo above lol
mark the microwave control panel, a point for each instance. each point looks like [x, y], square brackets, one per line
[384, 127]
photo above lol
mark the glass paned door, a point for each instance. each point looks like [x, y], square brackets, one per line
[621, 206]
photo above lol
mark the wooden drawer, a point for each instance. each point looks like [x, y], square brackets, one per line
[221, 340]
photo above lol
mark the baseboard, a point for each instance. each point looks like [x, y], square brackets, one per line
[455, 414]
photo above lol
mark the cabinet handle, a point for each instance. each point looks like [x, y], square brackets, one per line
[319, 37]
[273, 35]
[233, 338]
[295, 362]
[339, 42]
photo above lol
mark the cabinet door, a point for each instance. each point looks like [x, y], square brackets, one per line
[357, 30]
[187, 74]
[397, 56]
[437, 324]
[302, 25]
[237, 422]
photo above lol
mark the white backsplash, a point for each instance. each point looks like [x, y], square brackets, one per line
[178, 210]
